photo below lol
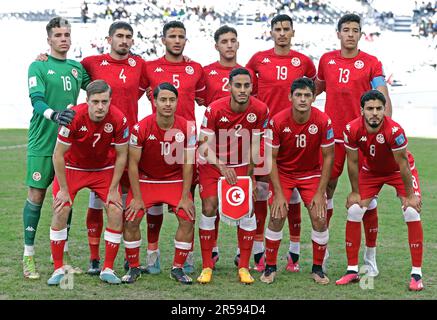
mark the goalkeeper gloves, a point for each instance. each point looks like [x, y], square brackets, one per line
[63, 118]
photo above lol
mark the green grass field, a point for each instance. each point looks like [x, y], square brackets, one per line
[393, 253]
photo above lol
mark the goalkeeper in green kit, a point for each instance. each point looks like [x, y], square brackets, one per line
[53, 86]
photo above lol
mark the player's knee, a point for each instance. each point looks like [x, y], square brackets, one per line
[156, 210]
[262, 193]
[94, 201]
[248, 223]
[132, 226]
[295, 197]
[373, 204]
[411, 215]
[276, 224]
[209, 208]
[186, 225]
[36, 196]
[355, 213]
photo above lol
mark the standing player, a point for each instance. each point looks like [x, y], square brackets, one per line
[345, 75]
[161, 179]
[83, 159]
[125, 75]
[187, 78]
[276, 69]
[298, 135]
[53, 85]
[386, 161]
[237, 117]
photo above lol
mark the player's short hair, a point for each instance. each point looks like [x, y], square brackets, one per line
[350, 17]
[302, 83]
[372, 95]
[281, 18]
[57, 22]
[164, 86]
[238, 71]
[222, 30]
[119, 25]
[172, 24]
[97, 86]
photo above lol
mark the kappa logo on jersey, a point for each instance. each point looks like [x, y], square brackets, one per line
[380, 138]
[394, 130]
[400, 140]
[287, 129]
[189, 70]
[224, 119]
[124, 120]
[32, 82]
[83, 128]
[251, 117]
[329, 121]
[133, 139]
[313, 129]
[295, 62]
[266, 60]
[136, 127]
[348, 127]
[36, 176]
[104, 63]
[151, 137]
[363, 139]
[108, 128]
[64, 131]
[74, 73]
[51, 72]
[213, 73]
[359, 64]
[132, 62]
[208, 109]
[179, 137]
[159, 69]
[331, 61]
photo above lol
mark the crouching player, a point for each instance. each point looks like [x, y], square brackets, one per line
[161, 157]
[386, 161]
[297, 134]
[83, 159]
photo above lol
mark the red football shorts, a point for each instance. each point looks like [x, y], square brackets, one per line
[97, 181]
[159, 193]
[209, 176]
[307, 188]
[371, 183]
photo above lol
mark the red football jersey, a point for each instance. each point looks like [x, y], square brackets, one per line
[299, 144]
[91, 143]
[187, 77]
[231, 128]
[123, 76]
[276, 74]
[377, 148]
[162, 154]
[346, 79]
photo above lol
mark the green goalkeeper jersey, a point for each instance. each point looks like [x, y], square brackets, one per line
[59, 83]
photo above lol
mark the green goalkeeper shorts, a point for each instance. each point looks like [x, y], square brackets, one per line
[40, 172]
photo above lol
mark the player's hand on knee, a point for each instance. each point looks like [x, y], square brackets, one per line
[318, 205]
[133, 208]
[353, 198]
[412, 201]
[115, 199]
[279, 208]
[63, 118]
[61, 198]
[187, 205]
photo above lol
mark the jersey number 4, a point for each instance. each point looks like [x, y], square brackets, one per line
[122, 76]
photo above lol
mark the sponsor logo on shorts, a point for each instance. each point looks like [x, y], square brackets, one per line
[36, 176]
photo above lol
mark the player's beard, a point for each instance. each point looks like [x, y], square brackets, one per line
[239, 100]
[373, 124]
[122, 51]
[175, 54]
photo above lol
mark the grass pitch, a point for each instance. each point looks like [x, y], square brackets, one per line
[392, 252]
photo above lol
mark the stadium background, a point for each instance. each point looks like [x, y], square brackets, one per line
[394, 31]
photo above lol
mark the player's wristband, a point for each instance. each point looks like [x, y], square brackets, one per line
[48, 113]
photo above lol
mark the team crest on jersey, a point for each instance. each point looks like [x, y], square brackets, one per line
[359, 64]
[132, 62]
[36, 176]
[251, 117]
[189, 70]
[108, 128]
[74, 72]
[380, 138]
[295, 62]
[313, 129]
[179, 137]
